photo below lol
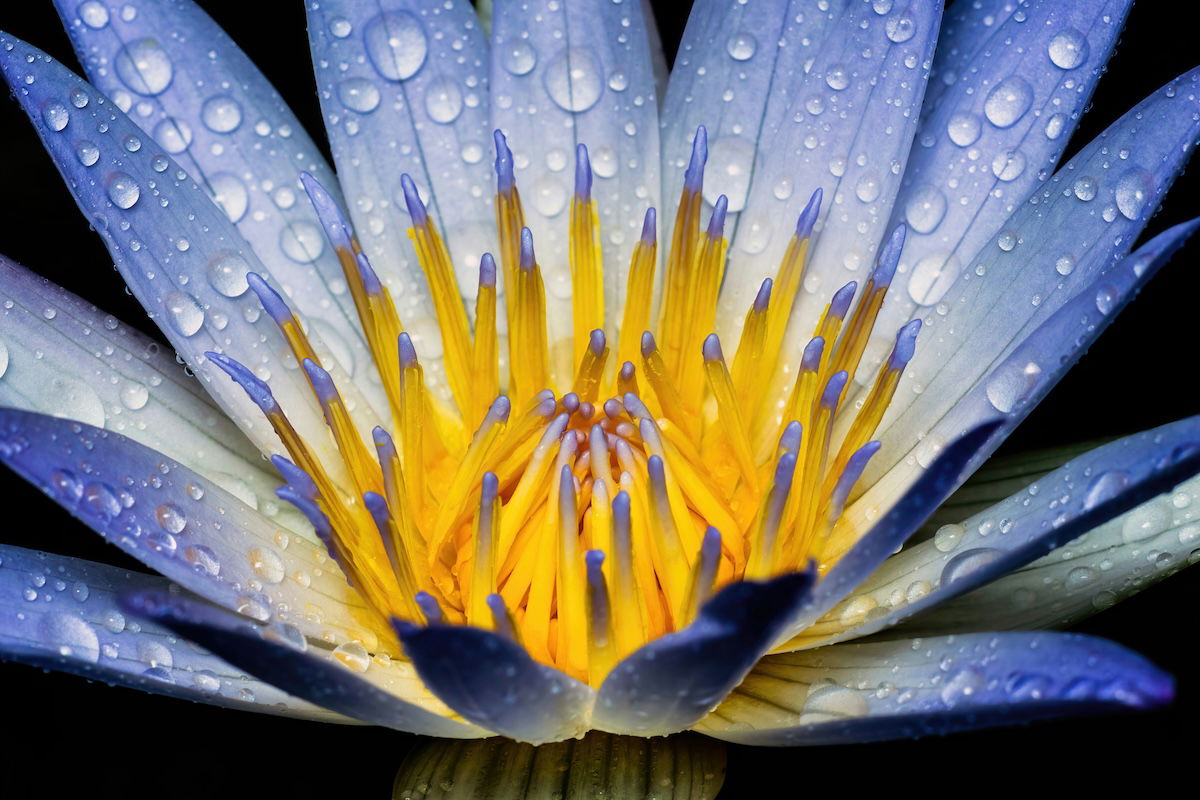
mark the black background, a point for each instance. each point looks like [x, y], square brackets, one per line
[65, 736]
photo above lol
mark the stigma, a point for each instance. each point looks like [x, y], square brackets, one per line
[585, 514]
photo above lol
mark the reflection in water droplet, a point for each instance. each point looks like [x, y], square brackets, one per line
[396, 44]
[741, 46]
[174, 135]
[184, 313]
[443, 100]
[1068, 49]
[572, 79]
[221, 114]
[1134, 189]
[518, 56]
[1008, 101]
[358, 94]
[123, 190]
[144, 66]
[302, 242]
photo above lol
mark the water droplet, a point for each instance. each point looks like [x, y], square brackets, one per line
[134, 395]
[1134, 190]
[1008, 101]
[948, 537]
[71, 636]
[227, 274]
[1079, 577]
[837, 77]
[255, 606]
[443, 100]
[963, 129]
[286, 634]
[340, 27]
[206, 681]
[395, 44]
[730, 164]
[925, 208]
[1145, 521]
[203, 560]
[101, 499]
[518, 56]
[1012, 384]
[55, 116]
[170, 518]
[741, 46]
[174, 135]
[94, 14]
[604, 162]
[358, 94]
[144, 66]
[114, 621]
[1008, 165]
[572, 79]
[867, 187]
[352, 655]
[302, 242]
[963, 684]
[87, 153]
[1068, 49]
[184, 313]
[968, 563]
[230, 194]
[123, 190]
[1055, 125]
[79, 98]
[1085, 188]
[1106, 298]
[932, 276]
[266, 564]
[549, 196]
[827, 702]
[221, 114]
[900, 28]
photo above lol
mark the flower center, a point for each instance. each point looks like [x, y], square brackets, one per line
[586, 516]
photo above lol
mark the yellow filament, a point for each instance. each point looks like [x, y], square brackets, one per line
[638, 295]
[587, 275]
[485, 364]
[529, 359]
[451, 316]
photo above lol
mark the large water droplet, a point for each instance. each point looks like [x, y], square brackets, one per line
[230, 194]
[359, 94]
[184, 313]
[968, 562]
[221, 114]
[741, 46]
[87, 153]
[963, 129]
[962, 685]
[123, 190]
[518, 56]
[203, 560]
[1145, 522]
[1134, 189]
[134, 395]
[302, 242]
[572, 79]
[56, 116]
[443, 100]
[352, 655]
[900, 28]
[94, 14]
[837, 77]
[144, 66]
[1008, 165]
[730, 164]
[1008, 101]
[396, 44]
[227, 274]
[948, 537]
[828, 702]
[1012, 384]
[1084, 187]
[266, 564]
[549, 196]
[174, 135]
[932, 276]
[1068, 49]
[70, 636]
[925, 208]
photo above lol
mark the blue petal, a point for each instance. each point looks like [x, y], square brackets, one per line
[181, 256]
[404, 90]
[854, 557]
[672, 682]
[203, 101]
[491, 681]
[1082, 494]
[902, 689]
[845, 128]
[735, 73]
[286, 662]
[66, 358]
[1109, 563]
[998, 135]
[182, 525]
[574, 73]
[62, 613]
[966, 30]
[1052, 248]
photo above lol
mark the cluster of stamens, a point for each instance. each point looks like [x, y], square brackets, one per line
[590, 514]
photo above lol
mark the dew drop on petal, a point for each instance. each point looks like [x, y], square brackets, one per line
[1008, 165]
[266, 564]
[227, 274]
[518, 56]
[1085, 188]
[302, 242]
[184, 313]
[837, 77]
[572, 79]
[741, 46]
[963, 129]
[94, 14]
[123, 190]
[443, 100]
[144, 66]
[55, 116]
[1068, 49]
[221, 114]
[396, 44]
[925, 208]
[968, 562]
[352, 655]
[134, 395]
[87, 153]
[1134, 189]
[1008, 101]
[230, 194]
[71, 636]
[173, 134]
[730, 165]
[900, 28]
[358, 94]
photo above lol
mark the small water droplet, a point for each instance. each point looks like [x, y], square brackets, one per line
[948, 537]
[56, 116]
[221, 114]
[925, 208]
[900, 28]
[203, 560]
[1085, 188]
[1008, 165]
[94, 14]
[227, 274]
[134, 395]
[1134, 190]
[340, 27]
[358, 94]
[352, 655]
[518, 56]
[87, 153]
[266, 564]
[837, 77]
[741, 46]
[1055, 125]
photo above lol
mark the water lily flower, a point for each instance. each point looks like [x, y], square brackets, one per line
[595, 399]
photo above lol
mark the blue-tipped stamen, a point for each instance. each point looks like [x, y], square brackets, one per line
[808, 217]
[275, 306]
[505, 182]
[412, 199]
[716, 223]
[693, 178]
[583, 174]
[257, 390]
[650, 227]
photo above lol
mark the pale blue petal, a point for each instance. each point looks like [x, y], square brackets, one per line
[182, 525]
[1073, 230]
[1000, 132]
[918, 687]
[658, 58]
[565, 74]
[966, 29]
[672, 682]
[404, 90]
[64, 357]
[184, 81]
[1082, 494]
[854, 557]
[846, 129]
[1107, 564]
[491, 681]
[168, 239]
[736, 73]
[62, 613]
[347, 680]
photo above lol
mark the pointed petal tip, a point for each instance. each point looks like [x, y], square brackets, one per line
[412, 199]
[808, 217]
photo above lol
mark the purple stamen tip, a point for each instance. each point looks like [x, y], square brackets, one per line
[412, 199]
[371, 284]
[487, 271]
[596, 342]
[693, 178]
[842, 298]
[808, 217]
[654, 465]
[906, 345]
[382, 439]
[648, 344]
[321, 382]
[628, 369]
[274, 305]
[594, 560]
[327, 210]
[710, 546]
[789, 441]
[298, 479]
[763, 298]
[377, 505]
[716, 223]
[500, 409]
[889, 257]
[833, 389]
[257, 390]
[408, 353]
[649, 227]
[612, 407]
[712, 348]
[635, 406]
[620, 506]
[547, 404]
[489, 489]
[812, 354]
[570, 402]
[784, 471]
[528, 261]
[855, 466]
[429, 607]
[504, 164]
[583, 173]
